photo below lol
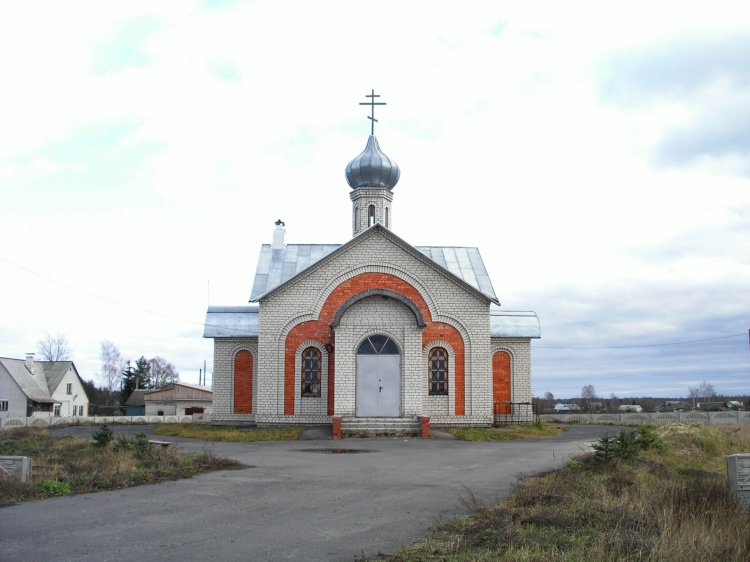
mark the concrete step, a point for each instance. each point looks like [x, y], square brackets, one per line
[380, 426]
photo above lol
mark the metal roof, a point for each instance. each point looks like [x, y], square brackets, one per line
[465, 263]
[242, 322]
[278, 266]
[508, 324]
[231, 322]
[33, 386]
[54, 372]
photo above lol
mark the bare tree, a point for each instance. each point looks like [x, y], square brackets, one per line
[703, 391]
[54, 348]
[549, 396]
[163, 373]
[588, 393]
[112, 366]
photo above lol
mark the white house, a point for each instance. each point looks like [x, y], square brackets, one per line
[41, 388]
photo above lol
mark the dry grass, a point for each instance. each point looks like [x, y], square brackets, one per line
[505, 432]
[222, 433]
[65, 465]
[669, 504]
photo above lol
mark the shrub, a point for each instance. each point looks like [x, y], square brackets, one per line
[103, 436]
[54, 488]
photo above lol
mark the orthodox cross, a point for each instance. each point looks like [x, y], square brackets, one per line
[372, 103]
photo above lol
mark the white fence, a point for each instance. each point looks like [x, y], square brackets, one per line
[627, 418]
[99, 420]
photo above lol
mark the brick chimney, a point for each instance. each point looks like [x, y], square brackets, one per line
[30, 362]
[278, 236]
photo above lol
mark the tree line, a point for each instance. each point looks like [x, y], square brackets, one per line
[589, 401]
[119, 377]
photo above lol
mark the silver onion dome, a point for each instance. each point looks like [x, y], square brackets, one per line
[372, 168]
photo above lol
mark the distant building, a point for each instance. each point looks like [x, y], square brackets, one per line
[626, 408]
[673, 406]
[41, 388]
[567, 408]
[719, 406]
[180, 399]
[135, 406]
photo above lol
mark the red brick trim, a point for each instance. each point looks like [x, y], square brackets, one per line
[320, 330]
[501, 382]
[243, 382]
[447, 333]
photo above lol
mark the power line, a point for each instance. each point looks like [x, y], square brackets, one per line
[643, 345]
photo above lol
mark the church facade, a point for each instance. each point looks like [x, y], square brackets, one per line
[372, 328]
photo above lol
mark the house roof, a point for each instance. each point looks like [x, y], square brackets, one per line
[136, 398]
[55, 371]
[509, 324]
[231, 322]
[276, 267]
[179, 391]
[242, 322]
[34, 386]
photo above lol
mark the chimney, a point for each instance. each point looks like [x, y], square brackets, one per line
[30, 362]
[278, 236]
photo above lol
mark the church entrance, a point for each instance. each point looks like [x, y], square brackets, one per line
[378, 378]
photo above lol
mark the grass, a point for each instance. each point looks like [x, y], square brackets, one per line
[505, 432]
[236, 434]
[668, 502]
[66, 465]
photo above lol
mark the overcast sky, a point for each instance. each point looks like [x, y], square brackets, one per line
[597, 155]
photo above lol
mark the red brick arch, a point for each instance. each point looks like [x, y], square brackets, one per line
[320, 330]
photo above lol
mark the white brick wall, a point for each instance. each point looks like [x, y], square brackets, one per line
[303, 299]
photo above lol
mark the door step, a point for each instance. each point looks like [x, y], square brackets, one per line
[380, 427]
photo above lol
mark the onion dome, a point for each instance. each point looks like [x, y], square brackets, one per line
[372, 168]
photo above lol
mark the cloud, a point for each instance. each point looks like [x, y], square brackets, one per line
[695, 88]
[127, 47]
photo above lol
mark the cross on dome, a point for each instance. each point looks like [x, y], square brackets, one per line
[372, 103]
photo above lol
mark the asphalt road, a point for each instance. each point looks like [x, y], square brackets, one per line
[298, 502]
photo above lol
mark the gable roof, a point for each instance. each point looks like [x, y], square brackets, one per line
[55, 371]
[35, 386]
[136, 398]
[277, 267]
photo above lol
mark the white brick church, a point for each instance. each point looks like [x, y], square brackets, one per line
[372, 328]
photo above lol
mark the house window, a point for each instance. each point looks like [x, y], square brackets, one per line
[3, 405]
[371, 215]
[69, 388]
[438, 381]
[311, 372]
[80, 410]
[75, 409]
[386, 217]
[356, 219]
[57, 410]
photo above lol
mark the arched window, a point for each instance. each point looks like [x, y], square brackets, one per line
[356, 219]
[243, 382]
[438, 372]
[386, 218]
[371, 215]
[311, 372]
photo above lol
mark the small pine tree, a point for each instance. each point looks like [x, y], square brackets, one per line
[103, 436]
[605, 449]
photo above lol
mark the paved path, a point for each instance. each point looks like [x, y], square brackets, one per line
[293, 505]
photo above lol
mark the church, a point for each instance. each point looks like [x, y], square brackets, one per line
[372, 329]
